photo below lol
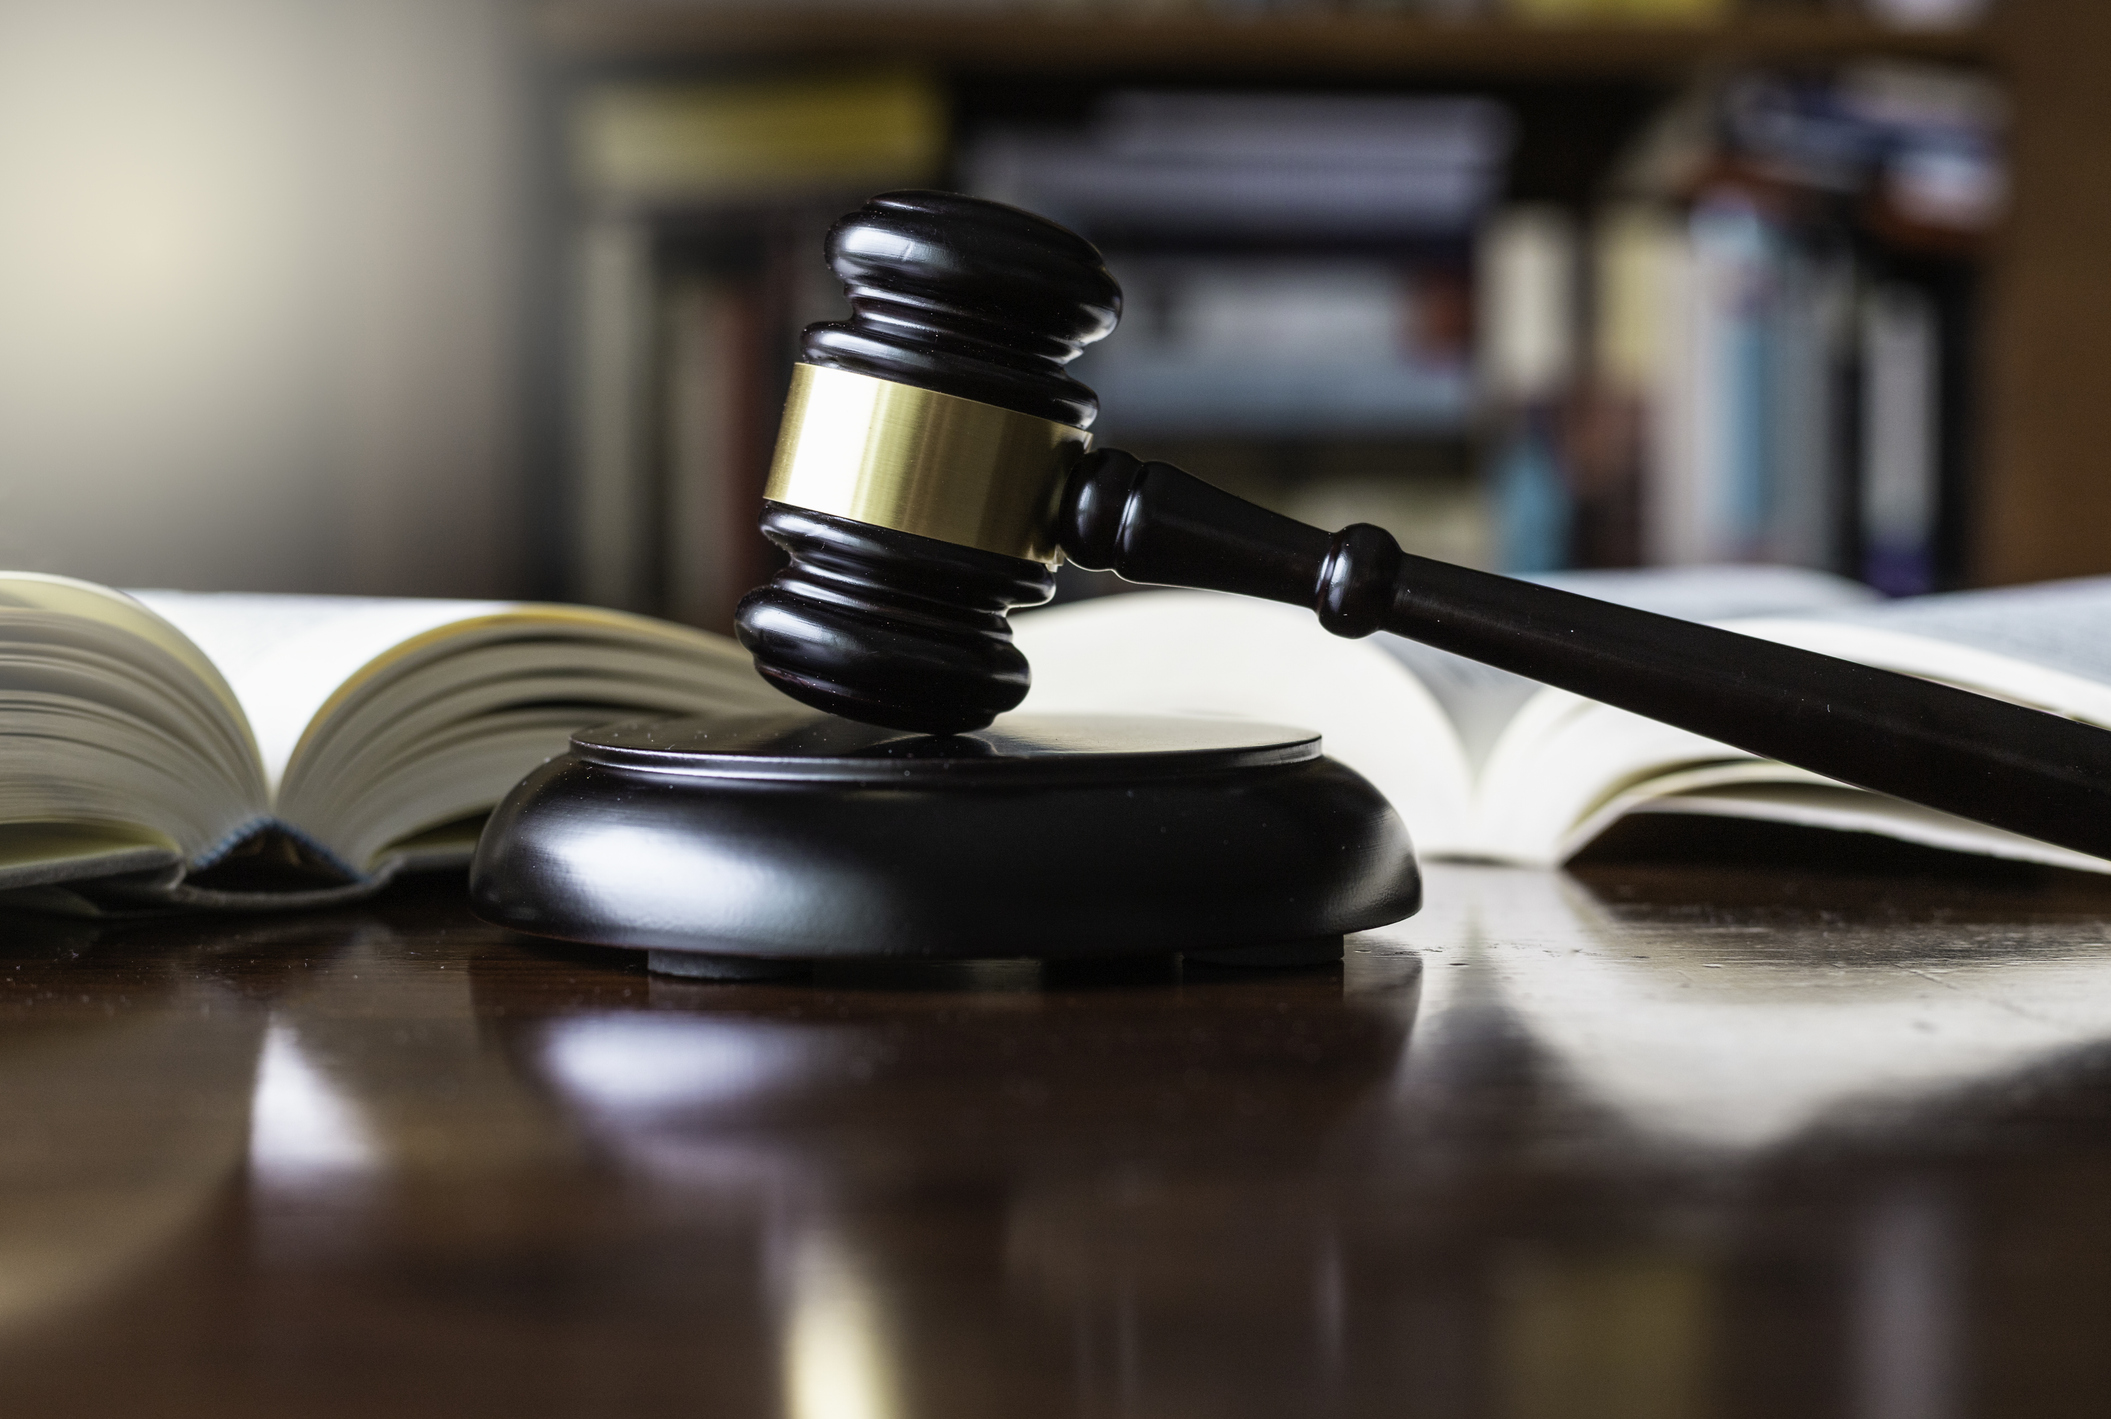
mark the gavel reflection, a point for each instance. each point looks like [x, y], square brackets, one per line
[968, 1176]
[933, 469]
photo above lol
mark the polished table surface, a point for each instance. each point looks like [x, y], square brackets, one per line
[1642, 1141]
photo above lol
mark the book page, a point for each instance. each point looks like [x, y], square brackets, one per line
[2060, 625]
[1854, 810]
[1200, 652]
[440, 726]
[285, 656]
[1479, 700]
[1567, 767]
[115, 724]
[115, 609]
[1482, 701]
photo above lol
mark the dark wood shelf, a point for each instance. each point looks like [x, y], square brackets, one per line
[1317, 44]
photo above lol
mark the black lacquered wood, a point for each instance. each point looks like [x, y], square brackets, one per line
[2029, 772]
[887, 627]
[1058, 750]
[968, 298]
[802, 837]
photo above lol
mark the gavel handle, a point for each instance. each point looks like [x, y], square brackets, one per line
[2021, 769]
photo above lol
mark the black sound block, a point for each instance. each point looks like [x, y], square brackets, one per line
[738, 846]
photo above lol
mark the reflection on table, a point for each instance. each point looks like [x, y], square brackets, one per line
[1646, 1142]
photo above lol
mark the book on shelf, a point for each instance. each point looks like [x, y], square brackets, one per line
[1252, 166]
[1525, 325]
[1222, 345]
[611, 415]
[1787, 292]
[1901, 433]
[676, 142]
[180, 749]
[696, 257]
[1752, 344]
[1293, 264]
[712, 351]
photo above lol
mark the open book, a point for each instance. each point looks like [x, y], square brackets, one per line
[173, 748]
[1487, 765]
[222, 750]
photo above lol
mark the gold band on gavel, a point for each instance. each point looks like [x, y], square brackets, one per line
[936, 465]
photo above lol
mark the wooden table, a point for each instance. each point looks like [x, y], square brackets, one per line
[1650, 1141]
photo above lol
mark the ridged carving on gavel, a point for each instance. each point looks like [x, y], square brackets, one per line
[1151, 522]
[971, 299]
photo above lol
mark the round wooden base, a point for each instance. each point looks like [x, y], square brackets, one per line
[731, 848]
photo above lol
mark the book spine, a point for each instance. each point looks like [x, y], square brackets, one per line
[733, 307]
[1901, 439]
[765, 339]
[678, 347]
[702, 323]
[612, 501]
[1665, 296]
[1746, 387]
[1632, 246]
[1527, 326]
[1735, 255]
[1813, 319]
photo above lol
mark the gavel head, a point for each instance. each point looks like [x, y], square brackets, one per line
[925, 447]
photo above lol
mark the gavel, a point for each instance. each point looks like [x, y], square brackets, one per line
[935, 467]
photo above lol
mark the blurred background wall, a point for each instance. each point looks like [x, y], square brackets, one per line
[258, 274]
[499, 297]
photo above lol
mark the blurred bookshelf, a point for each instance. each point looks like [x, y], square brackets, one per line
[1198, 42]
[1987, 349]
